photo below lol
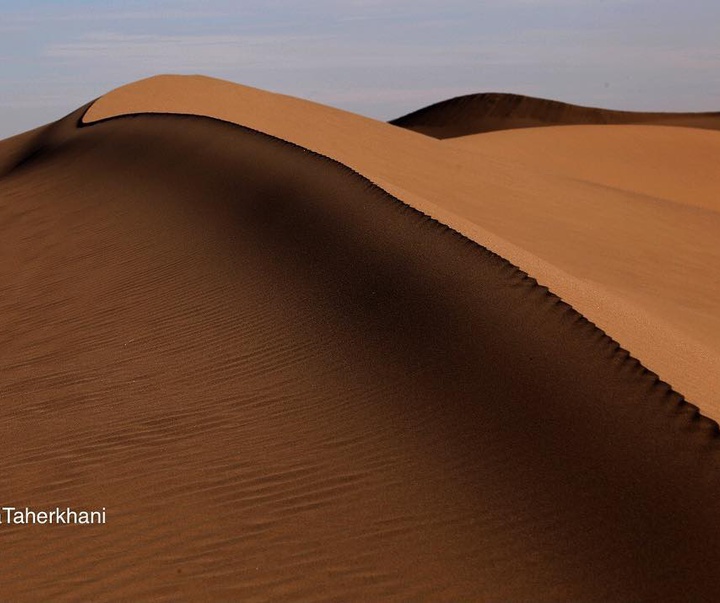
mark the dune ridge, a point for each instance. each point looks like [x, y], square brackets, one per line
[595, 244]
[284, 382]
[493, 111]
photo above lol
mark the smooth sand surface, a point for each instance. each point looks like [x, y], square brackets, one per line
[616, 223]
[284, 383]
[490, 111]
[656, 161]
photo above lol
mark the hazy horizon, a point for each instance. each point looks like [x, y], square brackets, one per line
[380, 59]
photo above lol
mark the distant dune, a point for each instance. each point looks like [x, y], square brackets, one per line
[229, 317]
[491, 111]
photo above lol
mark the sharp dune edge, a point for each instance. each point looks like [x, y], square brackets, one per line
[615, 254]
[284, 382]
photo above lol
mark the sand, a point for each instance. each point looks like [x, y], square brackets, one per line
[283, 382]
[491, 111]
[633, 263]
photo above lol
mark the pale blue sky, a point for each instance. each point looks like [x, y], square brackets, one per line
[381, 58]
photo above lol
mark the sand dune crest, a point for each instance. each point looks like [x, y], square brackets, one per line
[594, 243]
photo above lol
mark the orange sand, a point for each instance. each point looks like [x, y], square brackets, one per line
[627, 241]
[284, 383]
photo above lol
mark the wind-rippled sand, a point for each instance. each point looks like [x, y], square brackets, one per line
[283, 382]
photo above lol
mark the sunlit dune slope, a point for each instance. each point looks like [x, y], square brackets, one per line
[633, 262]
[659, 162]
[657, 197]
[487, 112]
[285, 384]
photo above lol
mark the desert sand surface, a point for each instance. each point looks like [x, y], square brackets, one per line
[490, 111]
[285, 380]
[637, 266]
[658, 162]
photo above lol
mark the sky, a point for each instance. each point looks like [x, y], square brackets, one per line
[380, 58]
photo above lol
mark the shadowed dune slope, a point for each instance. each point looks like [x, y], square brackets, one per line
[490, 111]
[282, 382]
[593, 229]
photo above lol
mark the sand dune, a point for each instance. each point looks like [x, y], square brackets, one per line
[283, 382]
[652, 192]
[656, 162]
[594, 246]
[491, 111]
